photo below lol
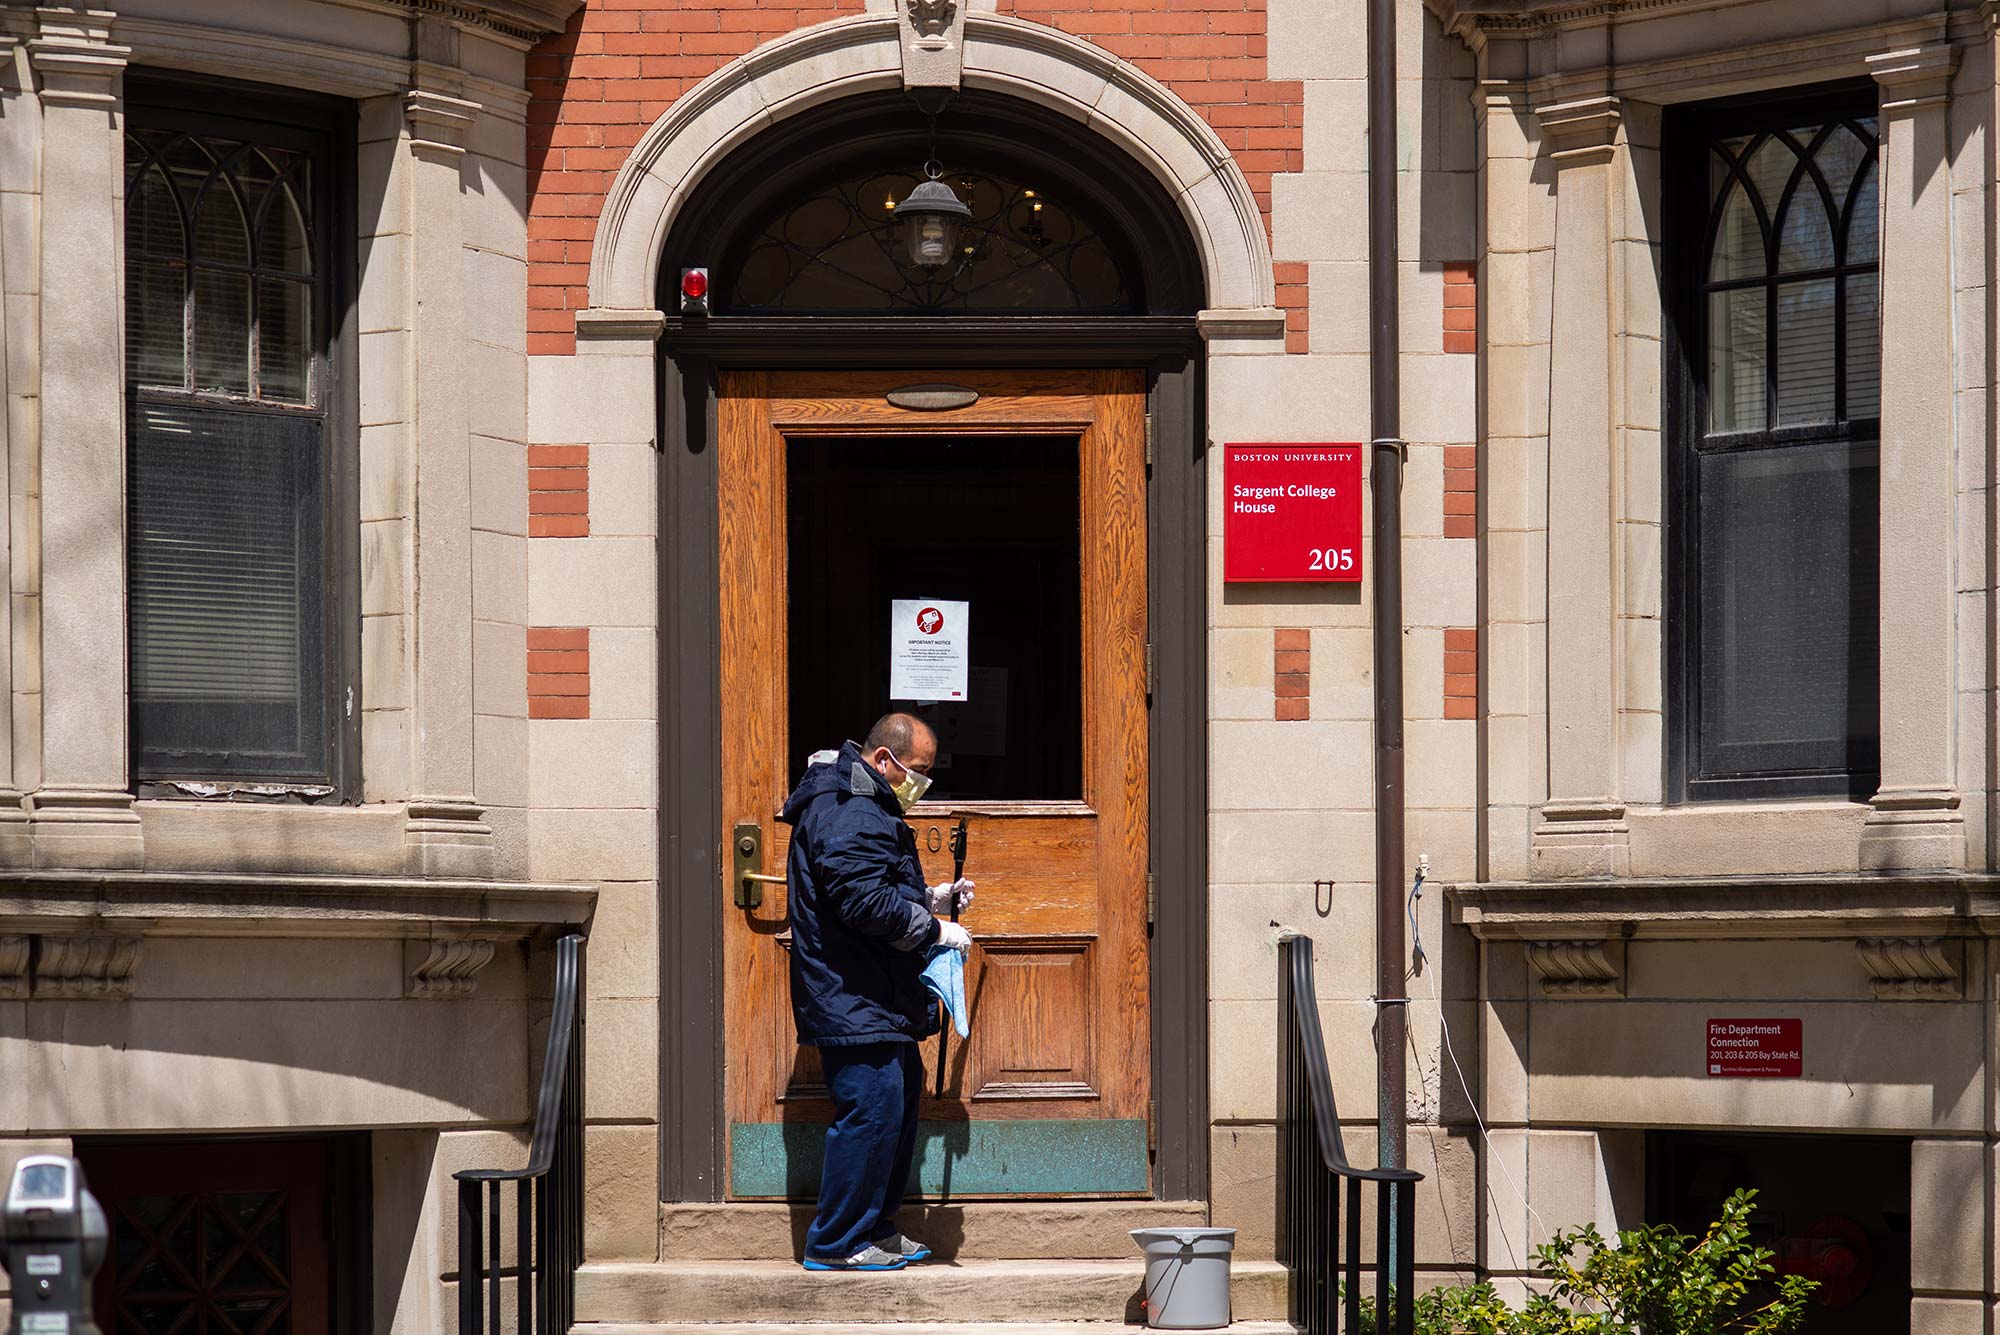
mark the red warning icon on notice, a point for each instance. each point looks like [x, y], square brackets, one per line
[930, 621]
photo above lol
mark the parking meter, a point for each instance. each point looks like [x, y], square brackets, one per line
[53, 1236]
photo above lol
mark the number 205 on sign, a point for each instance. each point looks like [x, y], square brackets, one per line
[1291, 514]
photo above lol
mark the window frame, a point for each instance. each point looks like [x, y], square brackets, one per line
[1688, 215]
[175, 100]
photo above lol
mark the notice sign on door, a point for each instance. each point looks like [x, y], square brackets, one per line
[929, 645]
[1291, 514]
[1766, 1049]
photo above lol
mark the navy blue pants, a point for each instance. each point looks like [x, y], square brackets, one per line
[869, 1147]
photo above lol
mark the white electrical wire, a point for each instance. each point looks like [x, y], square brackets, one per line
[1444, 1027]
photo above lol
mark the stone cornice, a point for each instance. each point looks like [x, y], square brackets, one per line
[141, 903]
[1531, 16]
[523, 20]
[1844, 906]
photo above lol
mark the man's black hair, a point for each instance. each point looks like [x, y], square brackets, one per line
[898, 732]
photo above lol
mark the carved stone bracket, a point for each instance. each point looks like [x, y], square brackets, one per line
[1906, 969]
[14, 951]
[1915, 77]
[87, 968]
[1582, 131]
[449, 968]
[438, 122]
[75, 56]
[933, 41]
[1579, 968]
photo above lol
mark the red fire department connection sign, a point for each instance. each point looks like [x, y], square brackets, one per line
[1756, 1048]
[1291, 514]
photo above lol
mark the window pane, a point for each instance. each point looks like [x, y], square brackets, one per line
[227, 587]
[1864, 347]
[284, 340]
[221, 331]
[1736, 360]
[1806, 365]
[1739, 241]
[1788, 609]
[282, 244]
[1837, 158]
[155, 322]
[1864, 225]
[221, 235]
[1805, 237]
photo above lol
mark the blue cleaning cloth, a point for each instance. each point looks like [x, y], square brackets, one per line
[944, 975]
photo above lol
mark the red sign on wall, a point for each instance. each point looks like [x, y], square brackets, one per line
[1756, 1048]
[1291, 513]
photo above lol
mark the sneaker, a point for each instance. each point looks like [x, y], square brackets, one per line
[908, 1248]
[868, 1258]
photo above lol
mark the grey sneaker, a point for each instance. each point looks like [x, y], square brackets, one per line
[868, 1258]
[908, 1248]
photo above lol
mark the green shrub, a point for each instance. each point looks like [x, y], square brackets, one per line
[1655, 1281]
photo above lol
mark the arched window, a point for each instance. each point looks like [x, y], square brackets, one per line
[839, 249]
[1772, 253]
[799, 223]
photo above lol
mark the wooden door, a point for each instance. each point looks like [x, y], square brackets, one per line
[1050, 1096]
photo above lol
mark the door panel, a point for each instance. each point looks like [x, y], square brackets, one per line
[1058, 977]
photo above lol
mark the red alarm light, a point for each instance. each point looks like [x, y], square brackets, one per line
[694, 291]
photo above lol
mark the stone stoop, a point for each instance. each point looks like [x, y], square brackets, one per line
[984, 1230]
[925, 1328]
[1001, 1268]
[668, 1297]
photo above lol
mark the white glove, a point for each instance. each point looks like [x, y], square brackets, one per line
[941, 895]
[952, 935]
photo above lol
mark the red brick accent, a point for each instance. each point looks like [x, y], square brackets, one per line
[559, 491]
[1461, 491]
[619, 65]
[1291, 663]
[1461, 308]
[558, 672]
[1461, 673]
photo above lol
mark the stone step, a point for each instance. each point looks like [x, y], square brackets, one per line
[984, 1230]
[635, 1299]
[916, 1328]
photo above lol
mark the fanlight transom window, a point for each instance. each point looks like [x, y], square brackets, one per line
[1791, 279]
[1020, 251]
[219, 267]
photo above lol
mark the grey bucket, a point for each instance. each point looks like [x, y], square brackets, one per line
[1187, 1276]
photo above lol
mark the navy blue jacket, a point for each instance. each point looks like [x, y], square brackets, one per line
[861, 924]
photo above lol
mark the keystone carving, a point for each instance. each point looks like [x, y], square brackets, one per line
[933, 42]
[14, 967]
[1579, 968]
[85, 968]
[932, 18]
[450, 970]
[1903, 969]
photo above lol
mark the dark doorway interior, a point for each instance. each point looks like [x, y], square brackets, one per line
[986, 520]
[1836, 1208]
[232, 1237]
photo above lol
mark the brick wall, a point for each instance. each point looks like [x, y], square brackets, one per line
[619, 65]
[558, 672]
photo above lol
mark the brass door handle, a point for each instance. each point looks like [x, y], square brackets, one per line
[747, 846]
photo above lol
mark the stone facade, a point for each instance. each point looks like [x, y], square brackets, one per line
[176, 966]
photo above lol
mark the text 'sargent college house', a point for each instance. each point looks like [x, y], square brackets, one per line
[462, 457]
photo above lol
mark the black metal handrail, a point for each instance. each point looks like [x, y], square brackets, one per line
[1312, 1168]
[548, 1192]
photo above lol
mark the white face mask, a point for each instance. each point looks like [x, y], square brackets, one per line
[913, 787]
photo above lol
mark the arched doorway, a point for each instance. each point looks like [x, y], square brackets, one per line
[1064, 507]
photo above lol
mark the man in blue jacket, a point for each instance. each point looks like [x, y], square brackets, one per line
[863, 922]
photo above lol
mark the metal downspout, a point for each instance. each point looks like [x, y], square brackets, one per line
[1386, 476]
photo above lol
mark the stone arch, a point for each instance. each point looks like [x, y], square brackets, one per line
[854, 55]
